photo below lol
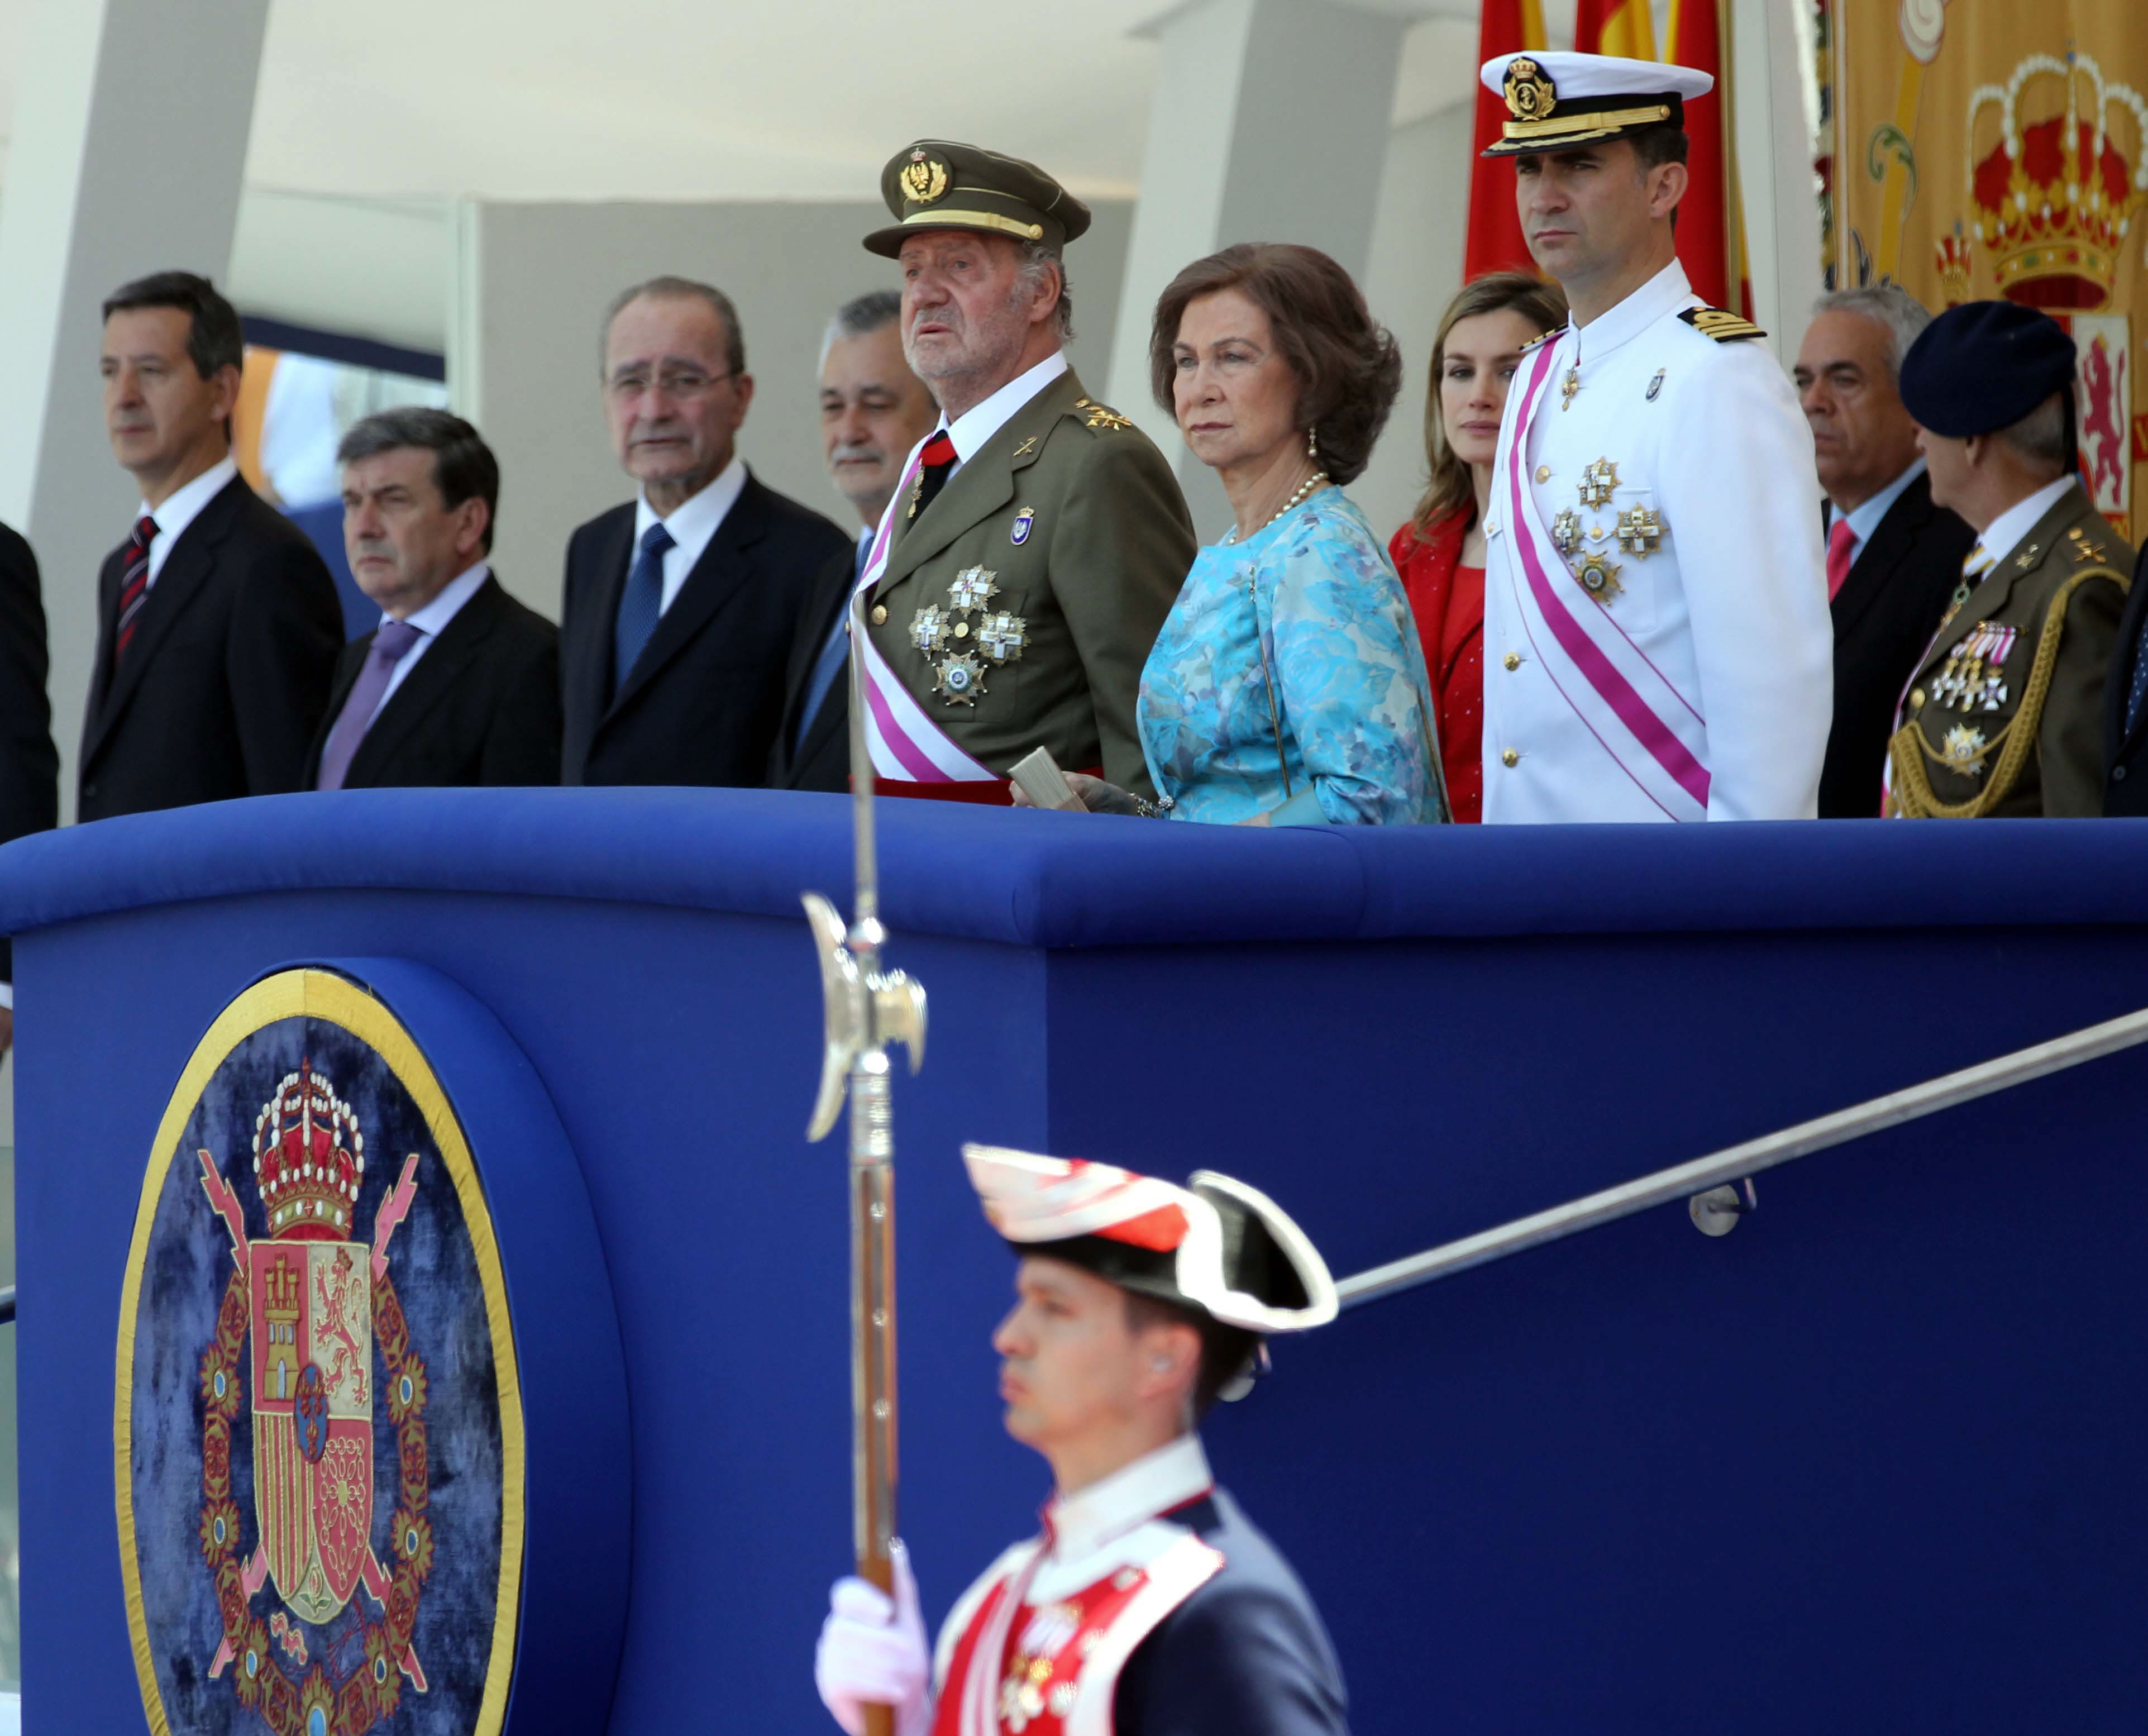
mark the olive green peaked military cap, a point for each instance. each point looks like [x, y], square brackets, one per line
[936, 184]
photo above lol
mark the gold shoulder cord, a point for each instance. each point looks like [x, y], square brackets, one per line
[1910, 751]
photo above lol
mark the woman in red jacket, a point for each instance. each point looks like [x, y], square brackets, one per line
[1440, 553]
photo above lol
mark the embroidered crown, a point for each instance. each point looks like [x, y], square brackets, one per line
[308, 1159]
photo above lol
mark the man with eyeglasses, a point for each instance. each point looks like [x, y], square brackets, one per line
[680, 605]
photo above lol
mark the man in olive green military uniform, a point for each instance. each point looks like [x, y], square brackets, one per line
[1038, 539]
[2004, 716]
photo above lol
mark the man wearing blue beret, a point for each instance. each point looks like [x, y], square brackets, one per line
[2004, 715]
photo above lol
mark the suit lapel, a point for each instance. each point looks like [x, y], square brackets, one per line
[726, 568]
[591, 673]
[439, 672]
[1893, 540]
[983, 485]
[186, 570]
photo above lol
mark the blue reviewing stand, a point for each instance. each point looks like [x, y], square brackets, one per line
[1872, 1462]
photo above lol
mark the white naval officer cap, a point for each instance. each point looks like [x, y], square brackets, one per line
[1215, 1245]
[1556, 99]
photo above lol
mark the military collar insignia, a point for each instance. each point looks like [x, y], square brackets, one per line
[1531, 96]
[925, 178]
[1655, 385]
[1022, 522]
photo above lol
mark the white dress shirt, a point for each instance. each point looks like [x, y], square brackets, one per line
[2004, 533]
[693, 526]
[978, 424]
[431, 621]
[1865, 518]
[183, 507]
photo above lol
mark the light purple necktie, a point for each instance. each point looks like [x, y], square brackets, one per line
[391, 644]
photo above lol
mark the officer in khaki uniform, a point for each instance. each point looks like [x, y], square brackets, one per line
[2004, 715]
[1032, 554]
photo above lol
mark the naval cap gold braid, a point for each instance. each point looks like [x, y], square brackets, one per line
[1908, 750]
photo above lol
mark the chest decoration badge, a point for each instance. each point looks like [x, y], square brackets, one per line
[1655, 386]
[1022, 522]
[961, 639]
[1569, 386]
[1640, 531]
[1963, 750]
[1598, 575]
[1566, 531]
[1973, 678]
[1599, 482]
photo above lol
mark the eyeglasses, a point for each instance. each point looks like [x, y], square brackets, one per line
[682, 382]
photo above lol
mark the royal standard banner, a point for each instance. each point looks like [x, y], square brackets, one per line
[317, 1424]
[1999, 148]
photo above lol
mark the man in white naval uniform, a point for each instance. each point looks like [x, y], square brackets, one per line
[1657, 643]
[1151, 1605]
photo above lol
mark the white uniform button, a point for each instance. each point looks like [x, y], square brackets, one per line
[1513, 660]
[1543, 473]
[1510, 758]
[880, 614]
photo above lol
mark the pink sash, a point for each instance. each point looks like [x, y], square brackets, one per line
[1646, 724]
[906, 746]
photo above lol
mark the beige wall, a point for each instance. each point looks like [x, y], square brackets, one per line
[535, 279]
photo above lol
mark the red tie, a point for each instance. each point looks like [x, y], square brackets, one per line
[938, 458]
[1841, 547]
[133, 585]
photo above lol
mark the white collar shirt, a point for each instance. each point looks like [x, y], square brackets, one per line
[431, 621]
[978, 424]
[180, 509]
[1086, 1530]
[2002, 534]
[693, 525]
[1864, 518]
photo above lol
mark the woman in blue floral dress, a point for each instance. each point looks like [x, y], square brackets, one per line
[1287, 686]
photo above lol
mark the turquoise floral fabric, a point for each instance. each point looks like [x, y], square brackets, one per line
[1315, 590]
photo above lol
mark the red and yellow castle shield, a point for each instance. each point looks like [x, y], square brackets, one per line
[1986, 150]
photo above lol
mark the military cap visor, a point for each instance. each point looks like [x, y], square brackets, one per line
[1983, 366]
[1215, 1246]
[937, 184]
[1556, 99]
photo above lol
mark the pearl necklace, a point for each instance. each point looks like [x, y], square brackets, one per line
[1305, 487]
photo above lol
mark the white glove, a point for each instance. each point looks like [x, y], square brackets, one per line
[872, 1651]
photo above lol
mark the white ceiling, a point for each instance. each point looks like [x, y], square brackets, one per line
[683, 99]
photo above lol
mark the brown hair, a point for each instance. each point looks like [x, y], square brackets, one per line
[1347, 367]
[1543, 305]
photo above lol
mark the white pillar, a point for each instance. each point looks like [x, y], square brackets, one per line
[130, 130]
[1270, 122]
[1775, 170]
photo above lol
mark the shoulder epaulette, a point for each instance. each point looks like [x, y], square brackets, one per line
[1721, 325]
[1542, 338]
[1100, 416]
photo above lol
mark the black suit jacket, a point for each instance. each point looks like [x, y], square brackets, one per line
[1885, 616]
[821, 759]
[29, 763]
[228, 672]
[703, 703]
[2126, 751]
[482, 705]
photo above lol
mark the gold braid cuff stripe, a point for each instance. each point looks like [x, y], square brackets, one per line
[938, 218]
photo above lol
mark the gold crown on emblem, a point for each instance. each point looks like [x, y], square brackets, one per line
[308, 1158]
[1531, 96]
[924, 179]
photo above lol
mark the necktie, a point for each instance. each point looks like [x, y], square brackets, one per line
[1974, 567]
[391, 644]
[133, 585]
[939, 461]
[829, 663]
[1841, 549]
[640, 604]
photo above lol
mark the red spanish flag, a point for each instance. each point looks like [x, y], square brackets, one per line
[1711, 240]
[1495, 241]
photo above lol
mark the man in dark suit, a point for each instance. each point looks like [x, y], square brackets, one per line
[29, 763]
[1894, 559]
[459, 683]
[2125, 708]
[217, 625]
[873, 411]
[680, 605]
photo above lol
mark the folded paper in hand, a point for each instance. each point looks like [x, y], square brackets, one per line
[1041, 781]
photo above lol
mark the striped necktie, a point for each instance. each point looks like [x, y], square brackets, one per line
[1974, 567]
[133, 586]
[938, 460]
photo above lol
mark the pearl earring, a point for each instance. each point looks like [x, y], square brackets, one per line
[1312, 444]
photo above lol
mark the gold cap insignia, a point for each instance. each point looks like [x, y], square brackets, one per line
[924, 179]
[1531, 96]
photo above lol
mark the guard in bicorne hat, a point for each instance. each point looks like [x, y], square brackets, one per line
[1656, 642]
[1150, 1604]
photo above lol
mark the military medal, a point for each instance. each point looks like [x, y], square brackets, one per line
[1599, 481]
[973, 588]
[1598, 575]
[1001, 637]
[1639, 532]
[1963, 750]
[1566, 531]
[1569, 386]
[1655, 385]
[960, 677]
[1022, 520]
[928, 628]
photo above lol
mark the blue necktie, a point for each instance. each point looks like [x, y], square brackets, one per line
[640, 604]
[833, 654]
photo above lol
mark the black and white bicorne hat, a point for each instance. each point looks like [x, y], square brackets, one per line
[1215, 1245]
